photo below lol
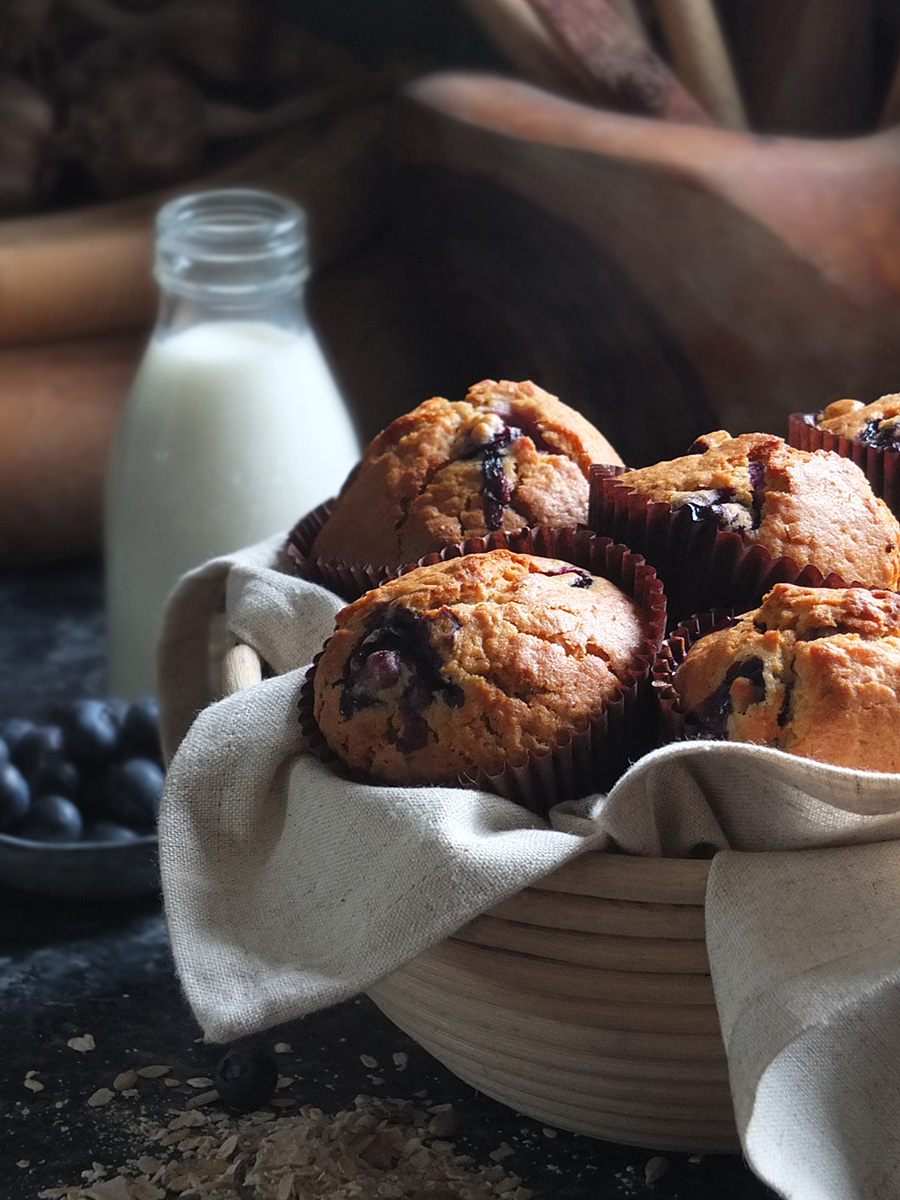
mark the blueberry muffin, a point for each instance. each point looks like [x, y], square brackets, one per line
[876, 424]
[813, 671]
[507, 457]
[473, 663]
[816, 508]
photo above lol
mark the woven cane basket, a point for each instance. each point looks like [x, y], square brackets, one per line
[584, 1001]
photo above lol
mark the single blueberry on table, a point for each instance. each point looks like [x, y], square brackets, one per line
[4, 753]
[90, 731]
[245, 1078]
[15, 797]
[135, 787]
[52, 819]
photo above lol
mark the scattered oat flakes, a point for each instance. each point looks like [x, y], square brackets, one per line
[82, 1044]
[504, 1150]
[33, 1085]
[125, 1080]
[172, 1082]
[401, 1059]
[548, 1133]
[200, 1081]
[283, 1048]
[368, 1061]
[380, 1149]
[100, 1097]
[284, 1081]
[228, 1147]
[203, 1098]
[156, 1072]
[187, 1120]
[23, 1163]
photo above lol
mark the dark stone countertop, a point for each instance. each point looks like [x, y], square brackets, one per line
[68, 969]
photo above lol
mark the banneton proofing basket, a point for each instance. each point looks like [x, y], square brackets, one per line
[584, 1001]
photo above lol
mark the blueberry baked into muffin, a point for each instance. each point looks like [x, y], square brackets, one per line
[876, 424]
[507, 457]
[816, 508]
[472, 663]
[812, 671]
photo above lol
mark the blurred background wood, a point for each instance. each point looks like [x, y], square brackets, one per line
[666, 280]
[805, 67]
[702, 59]
[618, 69]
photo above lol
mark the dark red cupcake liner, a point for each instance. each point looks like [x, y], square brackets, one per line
[674, 724]
[347, 580]
[701, 566]
[879, 465]
[581, 761]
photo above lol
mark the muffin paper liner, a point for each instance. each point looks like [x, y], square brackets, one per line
[674, 724]
[701, 566]
[880, 466]
[581, 761]
[348, 580]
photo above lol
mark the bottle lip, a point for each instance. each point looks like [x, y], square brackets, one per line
[231, 242]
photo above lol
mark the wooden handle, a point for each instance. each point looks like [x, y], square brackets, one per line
[522, 38]
[701, 58]
[805, 67]
[241, 668]
[619, 69]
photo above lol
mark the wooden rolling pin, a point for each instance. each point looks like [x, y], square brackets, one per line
[88, 272]
[59, 404]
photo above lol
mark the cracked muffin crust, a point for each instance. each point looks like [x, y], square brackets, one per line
[817, 508]
[472, 663]
[813, 671]
[508, 456]
[876, 424]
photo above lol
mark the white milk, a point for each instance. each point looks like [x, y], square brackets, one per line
[233, 431]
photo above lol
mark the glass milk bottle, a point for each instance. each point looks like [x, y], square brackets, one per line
[234, 428]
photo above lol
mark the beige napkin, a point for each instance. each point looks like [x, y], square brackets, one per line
[287, 889]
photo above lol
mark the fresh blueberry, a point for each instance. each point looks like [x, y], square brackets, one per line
[52, 819]
[90, 731]
[15, 796]
[245, 1078]
[109, 831]
[12, 730]
[117, 710]
[140, 729]
[135, 786]
[54, 775]
[39, 741]
[4, 753]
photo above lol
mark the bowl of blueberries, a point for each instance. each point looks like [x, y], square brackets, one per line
[79, 798]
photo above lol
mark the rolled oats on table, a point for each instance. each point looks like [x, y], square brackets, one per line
[378, 1150]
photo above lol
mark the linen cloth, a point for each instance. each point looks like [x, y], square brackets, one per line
[287, 889]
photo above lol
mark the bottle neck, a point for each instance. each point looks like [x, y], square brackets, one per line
[232, 254]
[177, 312]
